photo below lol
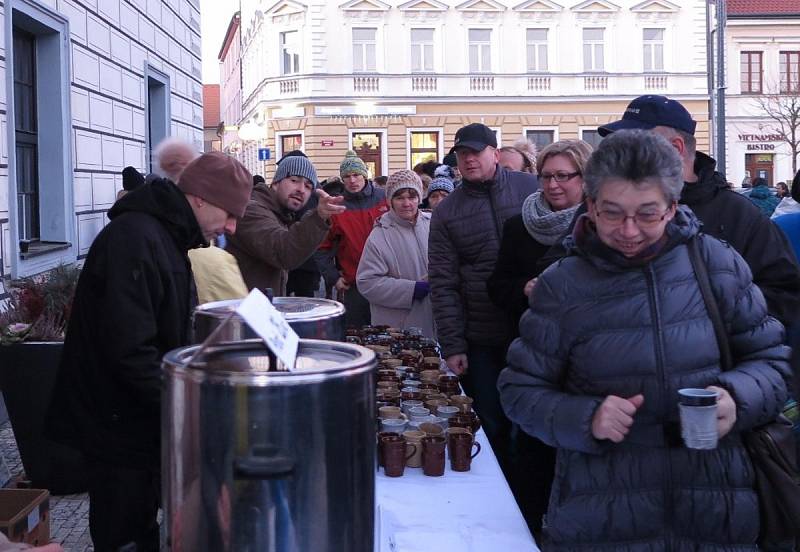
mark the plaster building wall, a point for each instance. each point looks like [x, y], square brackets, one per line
[396, 80]
[108, 80]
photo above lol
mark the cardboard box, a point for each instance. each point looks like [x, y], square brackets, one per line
[25, 515]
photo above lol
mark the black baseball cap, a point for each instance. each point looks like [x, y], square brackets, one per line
[646, 112]
[474, 136]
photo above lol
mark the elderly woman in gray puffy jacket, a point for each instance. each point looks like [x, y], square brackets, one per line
[613, 331]
[393, 271]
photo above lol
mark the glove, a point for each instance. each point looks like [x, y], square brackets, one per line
[421, 290]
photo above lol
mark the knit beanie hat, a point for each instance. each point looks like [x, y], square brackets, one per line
[131, 179]
[403, 180]
[440, 183]
[295, 165]
[352, 165]
[219, 179]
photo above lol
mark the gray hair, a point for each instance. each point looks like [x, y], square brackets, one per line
[639, 156]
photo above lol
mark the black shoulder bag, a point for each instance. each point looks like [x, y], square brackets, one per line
[772, 447]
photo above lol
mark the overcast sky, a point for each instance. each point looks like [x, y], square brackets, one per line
[214, 18]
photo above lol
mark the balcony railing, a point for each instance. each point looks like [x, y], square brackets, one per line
[402, 87]
[291, 86]
[423, 84]
[595, 83]
[481, 84]
[655, 82]
[537, 84]
[366, 84]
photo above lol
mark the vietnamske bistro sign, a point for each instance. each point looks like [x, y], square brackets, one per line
[751, 138]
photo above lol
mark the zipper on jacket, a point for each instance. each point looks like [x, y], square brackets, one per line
[655, 311]
[498, 228]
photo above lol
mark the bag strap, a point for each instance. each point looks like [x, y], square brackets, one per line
[704, 281]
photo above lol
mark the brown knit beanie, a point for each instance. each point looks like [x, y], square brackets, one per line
[402, 180]
[219, 179]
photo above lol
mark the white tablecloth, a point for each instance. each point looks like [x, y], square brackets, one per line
[459, 512]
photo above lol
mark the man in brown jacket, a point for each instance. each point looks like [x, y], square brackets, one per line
[269, 240]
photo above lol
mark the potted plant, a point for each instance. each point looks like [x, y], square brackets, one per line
[32, 328]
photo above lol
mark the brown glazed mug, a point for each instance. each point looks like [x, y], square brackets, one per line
[433, 456]
[459, 447]
[469, 420]
[414, 437]
[381, 435]
[395, 455]
[463, 402]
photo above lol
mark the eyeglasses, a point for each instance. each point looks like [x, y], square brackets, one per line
[559, 176]
[642, 220]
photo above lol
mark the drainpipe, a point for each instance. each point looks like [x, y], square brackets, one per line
[722, 18]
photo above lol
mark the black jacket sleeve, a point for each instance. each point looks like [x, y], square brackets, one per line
[775, 269]
[507, 282]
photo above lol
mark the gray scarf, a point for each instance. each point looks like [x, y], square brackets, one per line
[542, 223]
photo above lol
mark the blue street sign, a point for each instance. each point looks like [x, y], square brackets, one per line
[263, 154]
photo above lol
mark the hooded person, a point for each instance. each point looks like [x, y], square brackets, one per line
[133, 303]
[763, 197]
[270, 239]
[393, 271]
[131, 179]
[340, 252]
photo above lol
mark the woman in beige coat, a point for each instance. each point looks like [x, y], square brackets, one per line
[393, 271]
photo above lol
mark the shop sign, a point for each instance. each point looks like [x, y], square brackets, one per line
[760, 147]
[760, 138]
[326, 143]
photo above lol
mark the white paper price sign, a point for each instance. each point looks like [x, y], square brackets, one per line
[271, 326]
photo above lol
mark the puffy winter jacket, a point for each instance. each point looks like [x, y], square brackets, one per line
[600, 326]
[395, 258]
[339, 253]
[733, 218]
[763, 198]
[466, 229]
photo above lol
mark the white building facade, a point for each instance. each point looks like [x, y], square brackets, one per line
[394, 81]
[763, 69]
[90, 86]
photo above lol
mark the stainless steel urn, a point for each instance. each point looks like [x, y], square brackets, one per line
[310, 317]
[255, 459]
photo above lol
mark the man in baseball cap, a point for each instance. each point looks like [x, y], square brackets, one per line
[724, 213]
[133, 303]
[462, 251]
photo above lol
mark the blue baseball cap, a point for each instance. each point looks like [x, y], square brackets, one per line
[646, 112]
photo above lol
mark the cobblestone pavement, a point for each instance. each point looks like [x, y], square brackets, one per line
[69, 515]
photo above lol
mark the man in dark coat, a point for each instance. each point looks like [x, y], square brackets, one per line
[462, 251]
[725, 214]
[133, 304]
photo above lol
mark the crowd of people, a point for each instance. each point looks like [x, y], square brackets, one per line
[559, 287]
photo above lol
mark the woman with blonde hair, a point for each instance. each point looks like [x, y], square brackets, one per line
[520, 156]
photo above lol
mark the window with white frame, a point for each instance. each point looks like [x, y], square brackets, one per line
[593, 49]
[423, 146]
[364, 50]
[536, 41]
[540, 137]
[480, 50]
[290, 52]
[591, 137]
[653, 49]
[421, 50]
